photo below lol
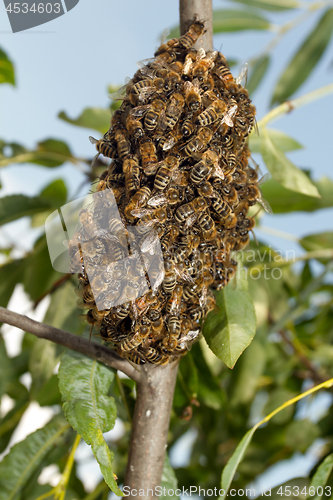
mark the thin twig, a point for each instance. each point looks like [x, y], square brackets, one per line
[96, 351]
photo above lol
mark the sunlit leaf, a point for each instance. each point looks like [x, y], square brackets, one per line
[321, 476]
[230, 330]
[280, 140]
[283, 200]
[84, 384]
[10, 274]
[92, 118]
[55, 193]
[305, 59]
[271, 5]
[6, 69]
[15, 206]
[283, 170]
[257, 73]
[231, 467]
[39, 275]
[238, 20]
[26, 456]
[317, 242]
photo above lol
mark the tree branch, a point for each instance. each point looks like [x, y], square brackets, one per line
[203, 10]
[156, 387]
[96, 351]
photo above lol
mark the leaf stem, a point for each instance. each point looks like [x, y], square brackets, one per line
[288, 106]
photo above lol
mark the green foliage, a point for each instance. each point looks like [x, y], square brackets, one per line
[25, 457]
[289, 319]
[84, 384]
[6, 69]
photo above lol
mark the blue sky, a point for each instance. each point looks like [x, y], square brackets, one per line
[68, 63]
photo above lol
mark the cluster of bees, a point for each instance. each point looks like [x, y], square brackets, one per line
[180, 176]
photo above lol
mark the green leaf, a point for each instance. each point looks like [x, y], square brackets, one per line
[276, 399]
[92, 118]
[39, 275]
[169, 479]
[238, 20]
[10, 421]
[49, 153]
[231, 467]
[305, 59]
[271, 5]
[300, 434]
[6, 69]
[230, 330]
[283, 200]
[5, 367]
[84, 384]
[283, 170]
[280, 140]
[15, 206]
[55, 193]
[25, 457]
[10, 274]
[257, 73]
[321, 476]
[317, 242]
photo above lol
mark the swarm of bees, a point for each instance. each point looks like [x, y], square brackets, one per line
[180, 176]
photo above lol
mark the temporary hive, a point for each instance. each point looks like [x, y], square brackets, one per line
[182, 184]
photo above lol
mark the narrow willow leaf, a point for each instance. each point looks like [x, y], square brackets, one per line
[39, 275]
[283, 200]
[84, 384]
[25, 457]
[10, 274]
[5, 367]
[93, 118]
[317, 242]
[55, 193]
[305, 59]
[6, 69]
[257, 73]
[321, 476]
[230, 330]
[238, 20]
[271, 5]
[15, 206]
[169, 479]
[231, 467]
[280, 140]
[283, 170]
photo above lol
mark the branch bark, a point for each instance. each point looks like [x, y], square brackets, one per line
[96, 351]
[156, 387]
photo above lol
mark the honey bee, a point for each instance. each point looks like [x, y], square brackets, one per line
[138, 200]
[134, 127]
[203, 64]
[227, 118]
[167, 141]
[189, 209]
[148, 156]
[253, 195]
[131, 170]
[205, 222]
[198, 142]
[229, 193]
[202, 170]
[173, 111]
[153, 114]
[144, 89]
[123, 144]
[212, 113]
[104, 147]
[193, 34]
[188, 126]
[165, 172]
[170, 237]
[134, 340]
[174, 302]
[192, 94]
[207, 85]
[166, 46]
[225, 212]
